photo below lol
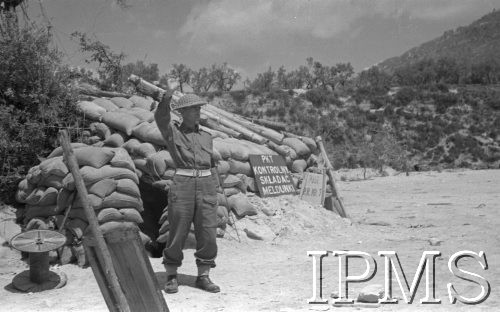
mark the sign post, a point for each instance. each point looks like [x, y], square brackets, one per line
[271, 175]
[313, 188]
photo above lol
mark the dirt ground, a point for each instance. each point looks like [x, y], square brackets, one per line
[454, 211]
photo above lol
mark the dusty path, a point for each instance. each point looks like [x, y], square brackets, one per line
[460, 209]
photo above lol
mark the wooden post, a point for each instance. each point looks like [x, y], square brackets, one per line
[337, 202]
[70, 159]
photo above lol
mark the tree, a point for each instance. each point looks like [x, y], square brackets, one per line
[148, 72]
[109, 63]
[343, 72]
[264, 81]
[36, 98]
[374, 79]
[201, 80]
[224, 77]
[182, 73]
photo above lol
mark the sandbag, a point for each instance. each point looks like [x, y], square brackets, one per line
[121, 102]
[162, 238]
[52, 181]
[121, 121]
[102, 130]
[49, 197]
[299, 165]
[93, 140]
[216, 155]
[142, 102]
[77, 227]
[42, 211]
[222, 216]
[109, 214]
[238, 151]
[298, 146]
[241, 207]
[65, 198]
[164, 215]
[143, 115]
[58, 151]
[34, 175]
[131, 215]
[91, 175]
[106, 104]
[311, 144]
[251, 185]
[222, 200]
[115, 140]
[231, 180]
[131, 145]
[35, 196]
[144, 150]
[159, 162]
[90, 110]
[236, 166]
[121, 200]
[223, 167]
[223, 147]
[165, 226]
[292, 154]
[93, 156]
[141, 164]
[230, 191]
[127, 186]
[24, 189]
[102, 188]
[94, 201]
[155, 136]
[243, 185]
[122, 159]
[141, 131]
[53, 166]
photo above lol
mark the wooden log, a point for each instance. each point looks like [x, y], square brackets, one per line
[119, 298]
[245, 132]
[278, 149]
[150, 89]
[267, 133]
[210, 123]
[87, 89]
[275, 125]
[339, 206]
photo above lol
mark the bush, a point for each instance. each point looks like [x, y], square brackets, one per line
[36, 99]
[317, 97]
[405, 96]
[239, 96]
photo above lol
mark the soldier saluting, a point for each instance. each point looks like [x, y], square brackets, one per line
[192, 197]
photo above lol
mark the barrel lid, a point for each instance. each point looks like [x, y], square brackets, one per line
[38, 241]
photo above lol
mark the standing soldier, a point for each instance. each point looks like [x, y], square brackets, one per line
[193, 197]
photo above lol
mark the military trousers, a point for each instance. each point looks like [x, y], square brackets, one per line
[192, 200]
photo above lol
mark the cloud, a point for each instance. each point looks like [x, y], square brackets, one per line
[246, 24]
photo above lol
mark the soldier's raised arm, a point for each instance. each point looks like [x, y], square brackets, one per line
[162, 114]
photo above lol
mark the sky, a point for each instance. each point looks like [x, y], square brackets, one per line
[253, 35]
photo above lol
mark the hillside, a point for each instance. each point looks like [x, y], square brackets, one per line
[472, 44]
[408, 128]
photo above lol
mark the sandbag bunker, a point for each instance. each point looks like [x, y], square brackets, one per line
[128, 171]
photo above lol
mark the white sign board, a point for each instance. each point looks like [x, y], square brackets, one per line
[313, 188]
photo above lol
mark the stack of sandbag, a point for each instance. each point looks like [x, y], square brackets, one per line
[50, 194]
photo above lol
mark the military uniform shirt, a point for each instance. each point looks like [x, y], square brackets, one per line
[189, 148]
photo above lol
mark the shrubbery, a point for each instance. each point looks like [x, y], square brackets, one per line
[36, 98]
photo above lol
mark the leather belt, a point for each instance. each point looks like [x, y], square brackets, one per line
[193, 172]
